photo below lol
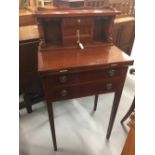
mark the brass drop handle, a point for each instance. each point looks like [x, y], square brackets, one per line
[111, 72]
[108, 86]
[63, 78]
[64, 93]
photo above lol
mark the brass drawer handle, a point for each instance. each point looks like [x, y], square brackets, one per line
[63, 78]
[108, 86]
[64, 92]
[111, 72]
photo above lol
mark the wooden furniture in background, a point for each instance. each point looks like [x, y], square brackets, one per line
[39, 3]
[80, 3]
[124, 33]
[26, 17]
[129, 146]
[96, 3]
[132, 107]
[44, 3]
[124, 25]
[127, 7]
[68, 3]
[77, 58]
[32, 3]
[29, 81]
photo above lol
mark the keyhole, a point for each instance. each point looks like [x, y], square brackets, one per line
[79, 21]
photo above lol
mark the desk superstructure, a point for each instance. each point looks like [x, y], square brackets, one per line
[77, 58]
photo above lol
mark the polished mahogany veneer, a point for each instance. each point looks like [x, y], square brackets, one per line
[90, 57]
[69, 12]
[77, 58]
[65, 27]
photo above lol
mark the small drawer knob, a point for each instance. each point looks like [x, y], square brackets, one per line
[108, 86]
[79, 21]
[63, 78]
[111, 72]
[64, 92]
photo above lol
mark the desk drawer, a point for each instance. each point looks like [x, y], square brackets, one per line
[85, 30]
[66, 79]
[74, 31]
[77, 21]
[70, 35]
[61, 93]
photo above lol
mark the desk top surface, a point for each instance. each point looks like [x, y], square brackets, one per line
[51, 61]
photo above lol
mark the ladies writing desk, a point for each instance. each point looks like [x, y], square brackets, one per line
[77, 58]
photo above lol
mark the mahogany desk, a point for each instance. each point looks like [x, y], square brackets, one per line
[69, 72]
[77, 73]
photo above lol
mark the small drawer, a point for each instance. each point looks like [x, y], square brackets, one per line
[83, 90]
[84, 77]
[85, 30]
[77, 21]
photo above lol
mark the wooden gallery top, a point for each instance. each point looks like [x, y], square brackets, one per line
[65, 29]
[77, 57]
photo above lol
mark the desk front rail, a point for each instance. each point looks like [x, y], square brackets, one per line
[74, 85]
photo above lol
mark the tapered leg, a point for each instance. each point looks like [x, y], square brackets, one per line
[95, 102]
[113, 113]
[52, 126]
[131, 109]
